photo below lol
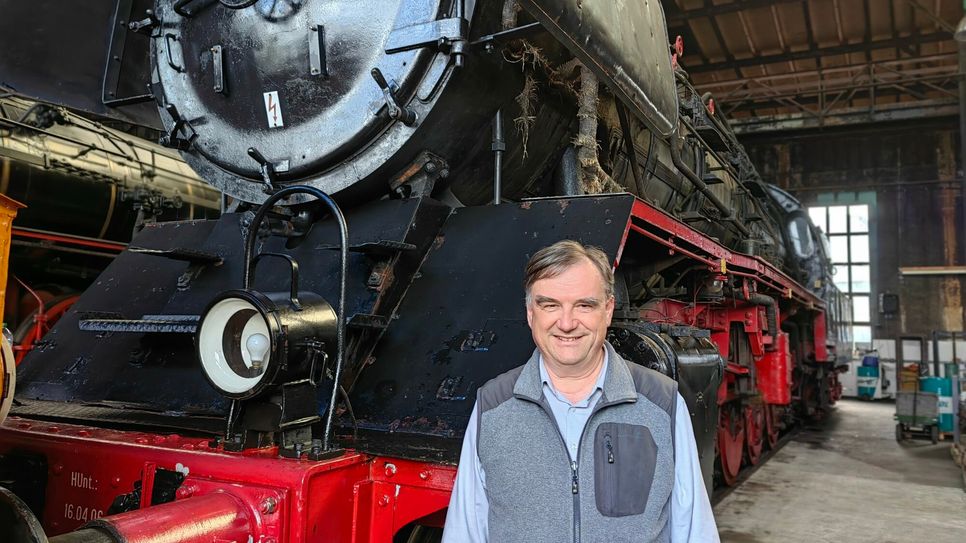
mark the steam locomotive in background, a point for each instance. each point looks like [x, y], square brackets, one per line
[302, 368]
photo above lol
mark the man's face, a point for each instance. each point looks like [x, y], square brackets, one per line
[569, 315]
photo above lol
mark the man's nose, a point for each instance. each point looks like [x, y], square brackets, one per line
[567, 322]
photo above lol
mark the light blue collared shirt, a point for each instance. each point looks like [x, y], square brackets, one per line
[572, 417]
[691, 516]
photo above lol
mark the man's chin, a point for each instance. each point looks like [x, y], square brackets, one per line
[570, 358]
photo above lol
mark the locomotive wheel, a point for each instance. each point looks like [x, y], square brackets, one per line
[731, 445]
[754, 432]
[772, 414]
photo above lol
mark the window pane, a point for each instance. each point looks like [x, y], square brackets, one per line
[860, 309]
[818, 217]
[840, 276]
[837, 221]
[860, 249]
[860, 279]
[840, 249]
[801, 236]
[858, 219]
[862, 336]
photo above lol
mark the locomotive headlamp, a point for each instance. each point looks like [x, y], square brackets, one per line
[275, 345]
[249, 341]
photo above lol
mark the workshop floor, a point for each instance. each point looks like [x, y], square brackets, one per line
[849, 481]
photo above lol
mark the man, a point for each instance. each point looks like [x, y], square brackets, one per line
[577, 444]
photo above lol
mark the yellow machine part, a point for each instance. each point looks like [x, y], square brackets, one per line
[8, 210]
[8, 366]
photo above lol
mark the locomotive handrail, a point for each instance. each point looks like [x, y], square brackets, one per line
[714, 254]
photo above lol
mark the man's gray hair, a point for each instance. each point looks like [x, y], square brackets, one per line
[551, 261]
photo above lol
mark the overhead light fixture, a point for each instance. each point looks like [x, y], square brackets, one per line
[960, 33]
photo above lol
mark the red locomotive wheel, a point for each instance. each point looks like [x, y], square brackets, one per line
[754, 432]
[731, 445]
[772, 413]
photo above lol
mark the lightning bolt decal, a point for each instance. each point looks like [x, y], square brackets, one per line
[273, 109]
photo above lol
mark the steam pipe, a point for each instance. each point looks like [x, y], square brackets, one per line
[565, 178]
[726, 212]
[771, 310]
[218, 516]
[498, 146]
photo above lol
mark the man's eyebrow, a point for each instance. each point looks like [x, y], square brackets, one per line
[545, 300]
[589, 301]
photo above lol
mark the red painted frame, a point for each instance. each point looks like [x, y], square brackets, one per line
[353, 497]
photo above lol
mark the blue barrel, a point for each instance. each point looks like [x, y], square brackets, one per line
[944, 389]
[867, 380]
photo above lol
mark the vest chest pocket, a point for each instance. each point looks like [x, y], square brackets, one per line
[625, 456]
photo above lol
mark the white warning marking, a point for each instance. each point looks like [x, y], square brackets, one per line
[273, 109]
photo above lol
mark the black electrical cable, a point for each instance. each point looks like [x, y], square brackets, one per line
[344, 254]
[352, 415]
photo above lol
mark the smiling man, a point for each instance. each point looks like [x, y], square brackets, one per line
[577, 444]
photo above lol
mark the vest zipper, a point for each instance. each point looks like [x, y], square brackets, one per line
[574, 464]
[573, 468]
[576, 491]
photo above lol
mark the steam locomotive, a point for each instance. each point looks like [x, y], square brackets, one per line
[302, 368]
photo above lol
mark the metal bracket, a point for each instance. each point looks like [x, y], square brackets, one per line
[317, 63]
[190, 8]
[218, 70]
[419, 177]
[164, 324]
[448, 35]
[440, 33]
[115, 57]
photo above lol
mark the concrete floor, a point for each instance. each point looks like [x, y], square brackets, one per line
[849, 481]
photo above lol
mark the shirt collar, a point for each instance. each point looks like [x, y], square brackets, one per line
[598, 386]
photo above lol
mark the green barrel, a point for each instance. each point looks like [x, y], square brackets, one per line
[944, 389]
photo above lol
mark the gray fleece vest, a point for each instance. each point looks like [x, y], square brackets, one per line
[619, 488]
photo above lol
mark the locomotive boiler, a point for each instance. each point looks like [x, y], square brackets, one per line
[302, 368]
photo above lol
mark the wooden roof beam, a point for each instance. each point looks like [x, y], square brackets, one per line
[889, 43]
[722, 9]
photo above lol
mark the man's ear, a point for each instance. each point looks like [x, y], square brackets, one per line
[529, 316]
[609, 308]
